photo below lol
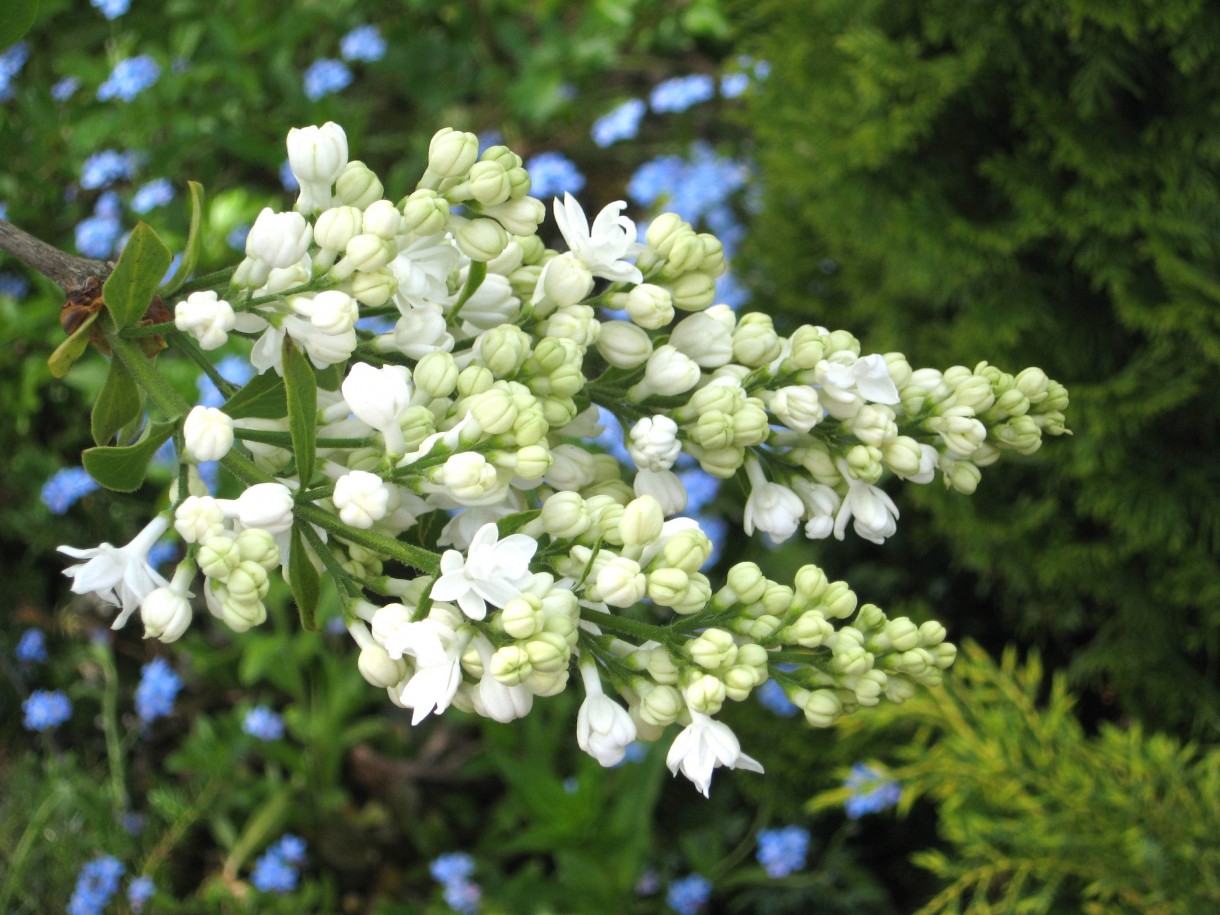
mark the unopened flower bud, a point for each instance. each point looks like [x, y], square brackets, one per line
[822, 708]
[620, 583]
[511, 665]
[335, 227]
[206, 318]
[208, 434]
[705, 694]
[357, 186]
[379, 669]
[480, 239]
[623, 344]
[649, 306]
[278, 239]
[198, 518]
[451, 153]
[267, 506]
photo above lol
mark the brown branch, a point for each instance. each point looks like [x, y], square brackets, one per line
[69, 272]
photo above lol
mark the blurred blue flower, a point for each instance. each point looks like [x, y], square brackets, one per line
[31, 647]
[734, 84]
[129, 78]
[648, 883]
[263, 723]
[463, 896]
[691, 186]
[64, 487]
[291, 848]
[152, 195]
[158, 688]
[232, 369]
[872, 791]
[681, 92]
[139, 891]
[11, 62]
[621, 123]
[655, 177]
[362, 43]
[553, 174]
[688, 895]
[65, 88]
[133, 823]
[166, 455]
[773, 698]
[611, 438]
[45, 709]
[209, 472]
[287, 179]
[104, 168]
[236, 239]
[783, 851]
[326, 76]
[451, 867]
[14, 285]
[97, 236]
[111, 9]
[97, 882]
[488, 139]
[726, 227]
[273, 874]
[3, 210]
[108, 205]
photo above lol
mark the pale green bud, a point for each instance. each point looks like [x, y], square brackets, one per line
[488, 184]
[713, 263]
[623, 344]
[839, 601]
[521, 215]
[661, 667]
[564, 382]
[899, 635]
[870, 687]
[747, 581]
[565, 516]
[531, 426]
[776, 599]
[664, 231]
[436, 374]
[532, 462]
[903, 456]
[417, 424]
[687, 550]
[755, 342]
[751, 425]
[532, 248]
[649, 306]
[961, 432]
[558, 411]
[693, 291]
[553, 353]
[248, 582]
[524, 280]
[900, 370]
[474, 379]
[931, 634]
[839, 341]
[258, 546]
[970, 390]
[240, 615]
[661, 705]
[705, 694]
[521, 616]
[864, 463]
[493, 410]
[961, 476]
[364, 253]
[1021, 433]
[851, 659]
[810, 630]
[335, 227]
[822, 708]
[1010, 403]
[713, 649]
[382, 218]
[718, 398]
[424, 212]
[511, 665]
[379, 669]
[1033, 383]
[219, 556]
[685, 254]
[808, 347]
[713, 431]
[547, 652]
[606, 512]
[1052, 422]
[755, 657]
[606, 467]
[698, 594]
[739, 682]
[502, 156]
[577, 323]
[358, 186]
[721, 463]
[641, 522]
[480, 239]
[503, 349]
[874, 425]
[759, 629]
[916, 662]
[566, 280]
[869, 617]
[451, 153]
[811, 583]
[373, 288]
[667, 586]
[943, 655]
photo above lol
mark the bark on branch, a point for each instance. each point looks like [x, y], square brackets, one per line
[69, 272]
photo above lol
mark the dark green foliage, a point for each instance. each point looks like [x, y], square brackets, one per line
[1030, 183]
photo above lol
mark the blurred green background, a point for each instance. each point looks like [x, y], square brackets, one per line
[1029, 183]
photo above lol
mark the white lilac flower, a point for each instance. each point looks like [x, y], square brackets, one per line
[422, 269]
[603, 247]
[317, 156]
[361, 498]
[206, 318]
[121, 576]
[874, 511]
[703, 746]
[493, 571]
[493, 699]
[653, 443]
[438, 669]
[207, 434]
[772, 507]
[603, 727]
[379, 397]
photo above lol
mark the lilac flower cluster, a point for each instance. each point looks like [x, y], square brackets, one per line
[31, 647]
[277, 871]
[11, 62]
[65, 487]
[688, 895]
[158, 688]
[453, 871]
[129, 78]
[872, 791]
[263, 723]
[45, 709]
[553, 174]
[96, 884]
[783, 851]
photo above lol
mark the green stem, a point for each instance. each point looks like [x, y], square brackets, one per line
[181, 825]
[322, 282]
[207, 281]
[192, 350]
[284, 439]
[149, 330]
[406, 553]
[474, 279]
[342, 579]
[110, 726]
[32, 830]
[159, 391]
[625, 626]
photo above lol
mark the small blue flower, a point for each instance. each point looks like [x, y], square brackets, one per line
[263, 723]
[11, 62]
[64, 487]
[133, 823]
[654, 178]
[45, 710]
[272, 874]
[3, 210]
[158, 688]
[32, 647]
[111, 9]
[13, 285]
[773, 698]
[872, 791]
[682, 92]
[65, 88]
[108, 205]
[362, 43]
[287, 178]
[621, 123]
[139, 891]
[104, 168]
[152, 195]
[209, 472]
[326, 76]
[783, 851]
[452, 867]
[553, 174]
[291, 848]
[463, 896]
[129, 78]
[734, 84]
[97, 882]
[688, 895]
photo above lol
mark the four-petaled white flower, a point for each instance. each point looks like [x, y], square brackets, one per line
[437, 650]
[493, 571]
[603, 727]
[603, 248]
[772, 507]
[120, 576]
[703, 746]
[874, 511]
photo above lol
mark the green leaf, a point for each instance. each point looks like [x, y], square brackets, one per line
[120, 401]
[73, 348]
[132, 285]
[302, 388]
[263, 397]
[122, 468]
[330, 377]
[510, 524]
[194, 241]
[303, 579]
[16, 19]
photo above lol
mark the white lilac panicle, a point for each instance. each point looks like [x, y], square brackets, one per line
[703, 746]
[493, 571]
[604, 247]
[121, 576]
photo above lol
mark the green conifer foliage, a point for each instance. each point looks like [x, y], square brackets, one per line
[1038, 182]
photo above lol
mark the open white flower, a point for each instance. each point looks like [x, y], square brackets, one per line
[120, 576]
[379, 397]
[703, 746]
[603, 247]
[438, 667]
[603, 727]
[772, 507]
[874, 511]
[492, 571]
